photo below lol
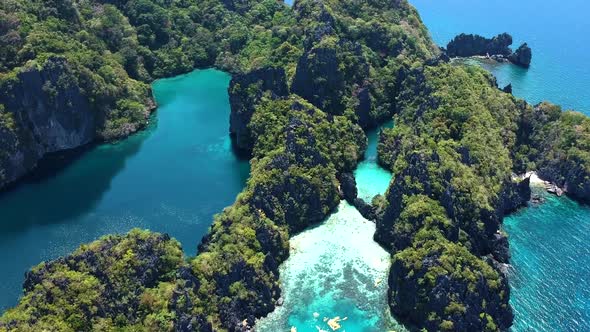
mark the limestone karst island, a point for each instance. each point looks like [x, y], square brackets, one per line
[294, 166]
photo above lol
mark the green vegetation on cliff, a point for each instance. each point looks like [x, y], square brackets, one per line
[298, 150]
[234, 277]
[452, 142]
[457, 142]
[450, 153]
[306, 80]
[108, 50]
[115, 280]
[557, 145]
[95, 58]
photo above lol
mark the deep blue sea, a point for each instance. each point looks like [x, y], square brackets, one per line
[557, 31]
[550, 243]
[172, 177]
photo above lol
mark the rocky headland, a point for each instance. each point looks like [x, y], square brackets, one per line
[497, 48]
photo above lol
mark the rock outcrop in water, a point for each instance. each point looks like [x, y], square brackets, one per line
[349, 192]
[516, 194]
[245, 92]
[348, 187]
[497, 48]
[465, 45]
[44, 111]
[522, 56]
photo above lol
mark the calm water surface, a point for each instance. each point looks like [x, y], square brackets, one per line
[371, 179]
[557, 31]
[551, 266]
[172, 177]
[335, 270]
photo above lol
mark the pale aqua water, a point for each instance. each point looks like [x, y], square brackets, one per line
[334, 270]
[549, 243]
[371, 179]
[172, 177]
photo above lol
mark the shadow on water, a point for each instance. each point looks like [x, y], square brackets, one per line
[170, 178]
[63, 187]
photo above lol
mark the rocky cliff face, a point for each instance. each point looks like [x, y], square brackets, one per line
[441, 224]
[319, 80]
[345, 73]
[572, 176]
[49, 113]
[522, 56]
[132, 277]
[554, 143]
[515, 195]
[427, 289]
[245, 91]
[349, 192]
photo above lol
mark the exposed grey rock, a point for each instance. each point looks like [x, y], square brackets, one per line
[469, 45]
[245, 91]
[50, 114]
[522, 56]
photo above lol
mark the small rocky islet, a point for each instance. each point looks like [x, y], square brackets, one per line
[306, 81]
[496, 48]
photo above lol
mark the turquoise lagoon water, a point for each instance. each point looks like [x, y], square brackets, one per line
[335, 270]
[549, 242]
[172, 177]
[371, 179]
